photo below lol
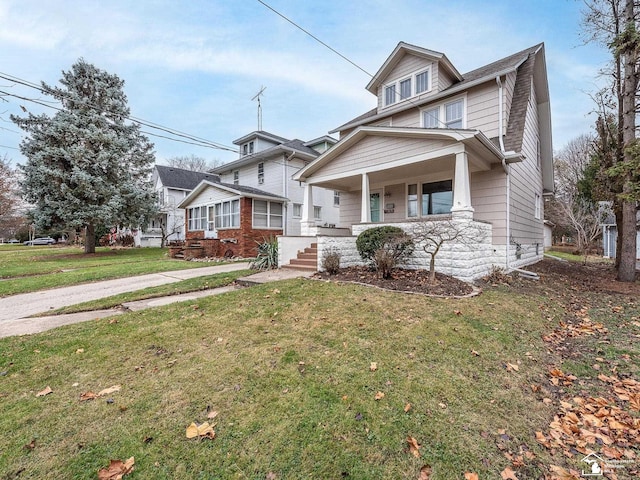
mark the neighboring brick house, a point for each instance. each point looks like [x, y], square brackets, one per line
[256, 197]
[471, 148]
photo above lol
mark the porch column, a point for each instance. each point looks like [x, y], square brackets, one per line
[462, 208]
[307, 222]
[365, 204]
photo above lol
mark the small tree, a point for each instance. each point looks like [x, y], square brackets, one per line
[193, 162]
[433, 234]
[10, 203]
[384, 247]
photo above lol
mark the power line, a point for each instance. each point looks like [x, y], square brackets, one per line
[199, 141]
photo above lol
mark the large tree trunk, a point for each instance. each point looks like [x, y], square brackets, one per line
[90, 239]
[628, 51]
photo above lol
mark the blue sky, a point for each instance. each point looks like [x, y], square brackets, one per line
[195, 65]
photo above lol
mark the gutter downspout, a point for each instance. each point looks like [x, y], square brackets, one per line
[506, 171]
[285, 191]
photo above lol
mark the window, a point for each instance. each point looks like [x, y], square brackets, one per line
[197, 218]
[453, 114]
[390, 95]
[244, 149]
[297, 210]
[236, 177]
[336, 198]
[538, 207]
[431, 118]
[227, 214]
[405, 89]
[412, 200]
[267, 214]
[317, 213]
[435, 198]
[250, 147]
[422, 82]
[210, 219]
[260, 173]
[448, 115]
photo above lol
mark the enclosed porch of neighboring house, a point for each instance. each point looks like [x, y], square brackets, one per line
[406, 176]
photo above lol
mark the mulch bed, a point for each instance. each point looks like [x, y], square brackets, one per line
[415, 281]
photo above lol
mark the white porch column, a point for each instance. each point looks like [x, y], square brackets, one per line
[365, 205]
[462, 208]
[307, 222]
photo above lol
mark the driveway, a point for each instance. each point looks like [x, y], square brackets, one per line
[27, 304]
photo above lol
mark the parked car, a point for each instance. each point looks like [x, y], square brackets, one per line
[41, 241]
[13, 240]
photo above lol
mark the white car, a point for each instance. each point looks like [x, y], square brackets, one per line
[41, 241]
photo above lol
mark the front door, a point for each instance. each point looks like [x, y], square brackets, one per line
[374, 202]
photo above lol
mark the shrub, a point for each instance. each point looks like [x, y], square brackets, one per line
[331, 261]
[267, 258]
[385, 247]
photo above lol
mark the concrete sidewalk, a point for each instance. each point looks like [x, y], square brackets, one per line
[15, 310]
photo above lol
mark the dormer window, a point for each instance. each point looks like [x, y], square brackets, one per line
[405, 88]
[247, 148]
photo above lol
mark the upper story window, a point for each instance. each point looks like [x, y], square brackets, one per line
[260, 173]
[336, 198]
[407, 87]
[247, 148]
[447, 115]
[422, 82]
[390, 95]
[236, 177]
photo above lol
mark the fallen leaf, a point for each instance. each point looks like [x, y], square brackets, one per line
[116, 470]
[414, 447]
[31, 445]
[87, 396]
[108, 391]
[474, 353]
[407, 407]
[200, 430]
[508, 474]
[457, 312]
[425, 472]
[379, 396]
[560, 473]
[512, 366]
[212, 414]
[80, 350]
[470, 476]
[44, 392]
[271, 476]
[373, 367]
[442, 405]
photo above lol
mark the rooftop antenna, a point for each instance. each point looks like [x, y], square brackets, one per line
[257, 97]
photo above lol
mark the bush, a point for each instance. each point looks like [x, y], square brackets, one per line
[384, 247]
[267, 258]
[331, 261]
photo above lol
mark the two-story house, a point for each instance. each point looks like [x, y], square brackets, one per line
[471, 149]
[257, 198]
[172, 185]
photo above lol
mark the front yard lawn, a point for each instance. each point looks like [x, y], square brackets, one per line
[312, 379]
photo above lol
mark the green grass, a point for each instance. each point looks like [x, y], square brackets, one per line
[287, 366]
[578, 258]
[28, 269]
[184, 286]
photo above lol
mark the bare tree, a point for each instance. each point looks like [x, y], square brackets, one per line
[11, 218]
[170, 225]
[432, 235]
[193, 162]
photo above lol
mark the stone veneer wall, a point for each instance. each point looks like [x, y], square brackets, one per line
[467, 261]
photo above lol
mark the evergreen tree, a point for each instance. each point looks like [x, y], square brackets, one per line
[86, 166]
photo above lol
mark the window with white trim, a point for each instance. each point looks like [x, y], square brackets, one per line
[538, 207]
[390, 94]
[197, 218]
[405, 89]
[227, 214]
[432, 198]
[267, 214]
[297, 210]
[336, 198]
[236, 177]
[260, 173]
[422, 82]
[317, 213]
[446, 115]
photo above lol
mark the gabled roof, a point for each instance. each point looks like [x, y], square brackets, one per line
[234, 190]
[181, 179]
[260, 134]
[289, 147]
[324, 138]
[400, 51]
[474, 77]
